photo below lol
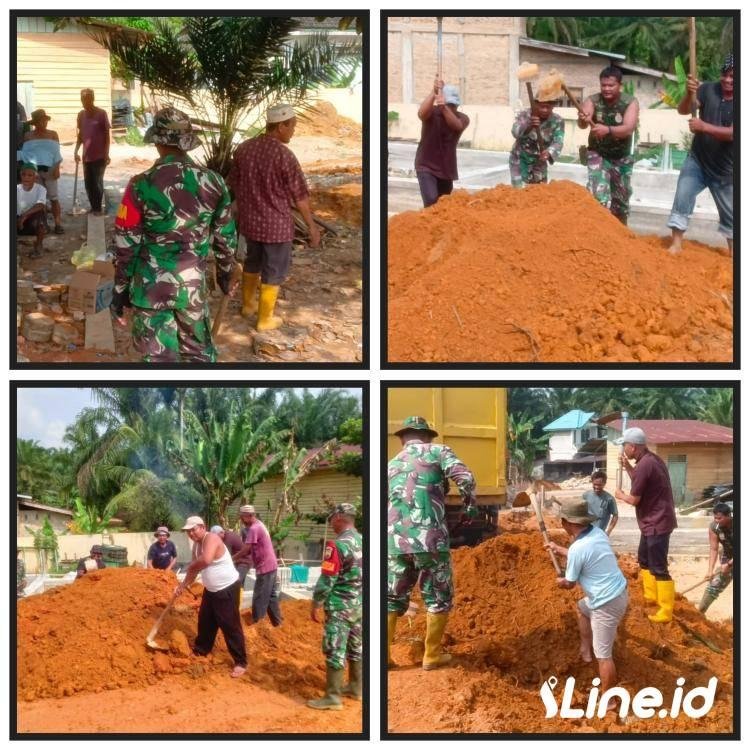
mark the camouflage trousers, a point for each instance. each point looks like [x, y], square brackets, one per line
[342, 637]
[173, 335]
[609, 183]
[431, 570]
[718, 583]
[526, 169]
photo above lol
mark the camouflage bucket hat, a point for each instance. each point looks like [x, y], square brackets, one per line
[417, 423]
[172, 128]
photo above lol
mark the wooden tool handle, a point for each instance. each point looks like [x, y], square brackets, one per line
[545, 536]
[693, 63]
[219, 315]
[572, 98]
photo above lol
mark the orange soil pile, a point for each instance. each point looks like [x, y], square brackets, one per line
[547, 274]
[339, 203]
[323, 119]
[512, 628]
[90, 636]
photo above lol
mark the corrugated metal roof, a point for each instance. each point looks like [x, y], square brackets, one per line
[573, 420]
[662, 431]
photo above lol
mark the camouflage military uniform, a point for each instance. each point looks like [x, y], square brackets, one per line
[20, 577]
[339, 590]
[165, 224]
[525, 165]
[720, 580]
[609, 162]
[418, 539]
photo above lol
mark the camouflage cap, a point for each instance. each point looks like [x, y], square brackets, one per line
[172, 128]
[346, 509]
[416, 423]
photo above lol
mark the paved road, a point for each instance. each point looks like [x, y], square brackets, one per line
[650, 205]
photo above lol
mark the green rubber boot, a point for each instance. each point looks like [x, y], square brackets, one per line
[331, 701]
[353, 689]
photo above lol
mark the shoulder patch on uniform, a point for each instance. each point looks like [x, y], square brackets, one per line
[128, 214]
[331, 564]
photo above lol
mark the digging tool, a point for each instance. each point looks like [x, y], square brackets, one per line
[216, 327]
[698, 636]
[150, 638]
[695, 585]
[622, 449]
[538, 510]
[440, 48]
[526, 74]
[77, 210]
[693, 64]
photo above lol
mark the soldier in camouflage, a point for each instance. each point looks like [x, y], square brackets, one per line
[20, 573]
[418, 538]
[613, 118]
[168, 218]
[529, 157]
[339, 592]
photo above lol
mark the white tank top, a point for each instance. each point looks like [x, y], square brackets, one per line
[220, 573]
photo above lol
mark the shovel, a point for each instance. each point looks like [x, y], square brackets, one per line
[440, 48]
[77, 210]
[693, 66]
[538, 510]
[695, 585]
[150, 638]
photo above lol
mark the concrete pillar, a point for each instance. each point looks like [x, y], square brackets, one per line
[461, 68]
[513, 63]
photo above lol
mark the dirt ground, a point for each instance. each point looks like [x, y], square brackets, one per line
[512, 629]
[321, 301]
[546, 274]
[82, 654]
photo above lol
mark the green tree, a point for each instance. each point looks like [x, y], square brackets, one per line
[222, 68]
[557, 29]
[523, 446]
[717, 406]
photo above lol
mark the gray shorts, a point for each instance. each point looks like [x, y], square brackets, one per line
[272, 260]
[604, 622]
[50, 185]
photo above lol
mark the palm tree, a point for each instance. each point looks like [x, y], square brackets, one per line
[664, 402]
[225, 68]
[717, 406]
[557, 29]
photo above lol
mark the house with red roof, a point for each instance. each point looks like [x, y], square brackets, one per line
[698, 454]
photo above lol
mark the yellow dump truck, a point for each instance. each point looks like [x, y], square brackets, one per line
[473, 422]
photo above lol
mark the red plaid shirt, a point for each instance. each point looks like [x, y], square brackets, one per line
[267, 179]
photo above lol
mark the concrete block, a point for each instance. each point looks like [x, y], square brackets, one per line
[38, 327]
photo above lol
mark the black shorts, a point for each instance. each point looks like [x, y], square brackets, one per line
[31, 225]
[272, 260]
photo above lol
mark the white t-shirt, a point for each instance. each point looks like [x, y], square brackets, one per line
[25, 199]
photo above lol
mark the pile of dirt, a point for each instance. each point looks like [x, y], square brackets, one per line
[90, 636]
[547, 274]
[323, 119]
[340, 203]
[512, 629]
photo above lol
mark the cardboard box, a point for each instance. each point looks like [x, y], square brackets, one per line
[90, 290]
[99, 332]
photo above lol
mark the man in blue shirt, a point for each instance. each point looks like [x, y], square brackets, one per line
[601, 503]
[592, 564]
[162, 554]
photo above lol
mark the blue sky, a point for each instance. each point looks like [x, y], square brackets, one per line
[44, 413]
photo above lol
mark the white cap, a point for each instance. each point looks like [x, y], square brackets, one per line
[280, 113]
[633, 435]
[451, 95]
[192, 522]
[247, 509]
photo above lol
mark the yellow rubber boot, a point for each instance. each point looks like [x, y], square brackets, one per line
[665, 597]
[392, 619]
[649, 585]
[250, 283]
[267, 321]
[434, 658]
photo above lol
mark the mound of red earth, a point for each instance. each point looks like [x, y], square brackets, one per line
[90, 636]
[547, 274]
[323, 119]
[512, 629]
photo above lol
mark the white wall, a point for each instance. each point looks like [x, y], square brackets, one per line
[562, 446]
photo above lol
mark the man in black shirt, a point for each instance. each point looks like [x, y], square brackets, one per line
[711, 159]
[92, 562]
